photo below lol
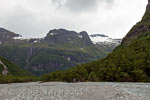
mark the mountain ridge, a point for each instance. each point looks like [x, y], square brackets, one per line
[59, 50]
[6, 33]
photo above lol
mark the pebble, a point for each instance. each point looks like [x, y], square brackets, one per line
[74, 91]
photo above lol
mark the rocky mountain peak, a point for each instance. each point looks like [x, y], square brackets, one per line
[63, 36]
[60, 32]
[6, 35]
[85, 37]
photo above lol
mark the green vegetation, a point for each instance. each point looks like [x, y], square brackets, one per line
[1, 68]
[16, 74]
[127, 63]
[17, 79]
[49, 57]
[13, 69]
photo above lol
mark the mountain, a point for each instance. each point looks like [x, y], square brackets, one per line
[62, 36]
[6, 35]
[8, 68]
[104, 42]
[129, 62]
[60, 49]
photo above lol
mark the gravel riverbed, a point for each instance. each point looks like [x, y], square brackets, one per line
[75, 91]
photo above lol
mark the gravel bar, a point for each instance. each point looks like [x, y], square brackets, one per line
[75, 91]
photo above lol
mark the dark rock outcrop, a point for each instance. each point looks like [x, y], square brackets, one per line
[6, 35]
[62, 36]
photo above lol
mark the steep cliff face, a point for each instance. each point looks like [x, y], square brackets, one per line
[141, 27]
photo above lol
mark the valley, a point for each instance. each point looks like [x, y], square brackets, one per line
[74, 64]
[60, 49]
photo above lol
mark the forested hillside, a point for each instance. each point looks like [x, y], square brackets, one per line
[10, 73]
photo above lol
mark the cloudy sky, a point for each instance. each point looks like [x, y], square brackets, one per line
[34, 18]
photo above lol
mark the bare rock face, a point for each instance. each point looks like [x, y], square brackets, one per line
[140, 28]
[62, 36]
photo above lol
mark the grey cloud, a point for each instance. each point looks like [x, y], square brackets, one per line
[22, 21]
[30, 24]
[34, 18]
[81, 5]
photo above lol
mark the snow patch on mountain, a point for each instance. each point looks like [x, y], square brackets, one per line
[53, 33]
[80, 36]
[103, 39]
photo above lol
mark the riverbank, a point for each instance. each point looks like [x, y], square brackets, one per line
[75, 91]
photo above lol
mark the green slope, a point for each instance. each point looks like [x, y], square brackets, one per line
[49, 58]
[44, 57]
[15, 74]
[128, 62]
[13, 69]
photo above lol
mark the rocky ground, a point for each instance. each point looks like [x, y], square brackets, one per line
[75, 91]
